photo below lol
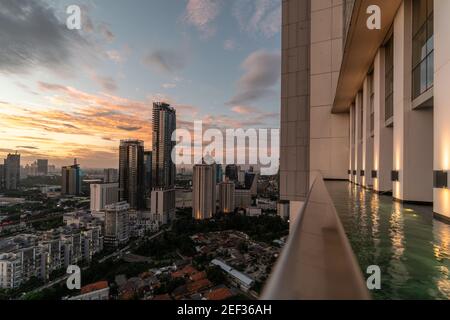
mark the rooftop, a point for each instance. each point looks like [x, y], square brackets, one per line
[94, 287]
[219, 294]
[235, 273]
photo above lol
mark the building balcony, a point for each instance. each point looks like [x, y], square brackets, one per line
[360, 47]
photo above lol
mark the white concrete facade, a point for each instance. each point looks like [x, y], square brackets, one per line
[311, 59]
[204, 191]
[162, 208]
[328, 141]
[441, 117]
[103, 194]
[380, 118]
[382, 144]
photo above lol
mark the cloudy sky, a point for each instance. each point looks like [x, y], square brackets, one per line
[68, 93]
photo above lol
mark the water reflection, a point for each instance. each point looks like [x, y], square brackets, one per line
[411, 248]
[442, 254]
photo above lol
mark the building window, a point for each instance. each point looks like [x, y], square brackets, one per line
[389, 80]
[423, 46]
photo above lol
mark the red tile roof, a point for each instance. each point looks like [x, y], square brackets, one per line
[198, 285]
[219, 294]
[187, 270]
[198, 276]
[94, 287]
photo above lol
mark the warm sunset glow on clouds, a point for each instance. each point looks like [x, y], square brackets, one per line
[68, 94]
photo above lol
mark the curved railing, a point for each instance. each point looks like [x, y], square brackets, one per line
[317, 261]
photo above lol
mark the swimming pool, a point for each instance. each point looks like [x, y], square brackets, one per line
[411, 248]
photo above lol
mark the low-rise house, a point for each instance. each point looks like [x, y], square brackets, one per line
[222, 293]
[94, 291]
[240, 279]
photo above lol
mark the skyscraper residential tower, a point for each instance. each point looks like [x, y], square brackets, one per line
[164, 124]
[219, 173]
[116, 224]
[71, 180]
[163, 168]
[204, 191]
[251, 182]
[226, 197]
[110, 175]
[231, 172]
[12, 171]
[2, 176]
[42, 167]
[162, 207]
[103, 194]
[148, 171]
[131, 173]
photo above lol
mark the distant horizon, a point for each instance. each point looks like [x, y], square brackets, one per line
[77, 93]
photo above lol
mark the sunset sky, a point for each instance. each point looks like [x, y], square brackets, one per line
[67, 93]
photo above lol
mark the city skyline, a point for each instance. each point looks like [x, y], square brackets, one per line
[82, 104]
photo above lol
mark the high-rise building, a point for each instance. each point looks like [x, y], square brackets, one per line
[71, 180]
[110, 175]
[162, 205]
[251, 182]
[283, 209]
[204, 191]
[116, 224]
[241, 177]
[163, 168]
[42, 167]
[2, 176]
[219, 173]
[10, 270]
[226, 197]
[148, 171]
[131, 173]
[373, 99]
[52, 169]
[231, 172]
[242, 198]
[30, 170]
[103, 194]
[12, 171]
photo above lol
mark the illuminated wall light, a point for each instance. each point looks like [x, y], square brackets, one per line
[445, 153]
[397, 190]
[440, 179]
[395, 176]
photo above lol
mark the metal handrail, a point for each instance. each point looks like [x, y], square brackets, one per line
[317, 262]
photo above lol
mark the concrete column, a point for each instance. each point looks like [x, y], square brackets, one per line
[295, 104]
[413, 129]
[441, 197]
[382, 155]
[352, 166]
[358, 138]
[329, 132]
[367, 142]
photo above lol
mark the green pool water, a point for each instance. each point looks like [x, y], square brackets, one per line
[411, 248]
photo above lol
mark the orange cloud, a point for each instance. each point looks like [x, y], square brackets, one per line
[90, 126]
